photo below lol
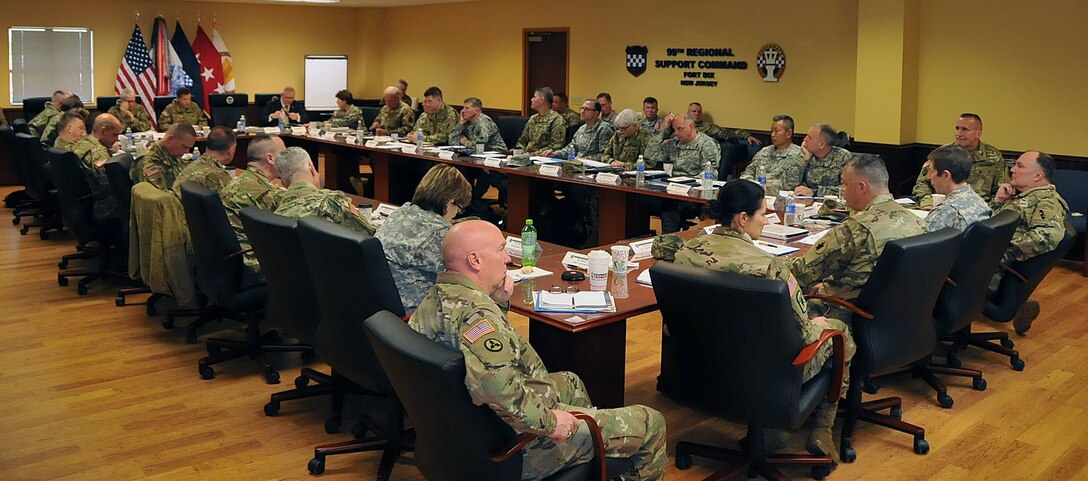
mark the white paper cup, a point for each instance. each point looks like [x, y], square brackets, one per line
[619, 259]
[667, 167]
[598, 270]
[479, 147]
[937, 199]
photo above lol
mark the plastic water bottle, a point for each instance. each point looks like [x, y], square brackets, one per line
[528, 244]
[128, 141]
[241, 127]
[640, 172]
[761, 177]
[281, 126]
[196, 152]
[790, 217]
[571, 156]
[708, 181]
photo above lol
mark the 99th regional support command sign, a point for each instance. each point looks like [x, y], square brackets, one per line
[770, 63]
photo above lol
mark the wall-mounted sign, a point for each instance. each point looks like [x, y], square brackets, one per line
[636, 59]
[771, 62]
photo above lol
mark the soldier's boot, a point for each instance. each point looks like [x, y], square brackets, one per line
[1025, 316]
[774, 440]
[820, 442]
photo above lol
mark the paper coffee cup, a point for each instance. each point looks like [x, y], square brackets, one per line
[598, 270]
[619, 259]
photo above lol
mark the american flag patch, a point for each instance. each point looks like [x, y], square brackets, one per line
[791, 283]
[480, 329]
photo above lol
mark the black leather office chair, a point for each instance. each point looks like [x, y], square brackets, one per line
[228, 108]
[353, 285]
[292, 302]
[117, 171]
[893, 330]
[219, 277]
[77, 211]
[260, 100]
[430, 380]
[369, 114]
[20, 201]
[20, 126]
[748, 360]
[569, 135]
[1020, 280]
[1071, 185]
[32, 106]
[38, 186]
[104, 103]
[734, 153]
[510, 128]
[161, 102]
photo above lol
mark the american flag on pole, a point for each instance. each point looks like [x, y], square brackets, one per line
[136, 73]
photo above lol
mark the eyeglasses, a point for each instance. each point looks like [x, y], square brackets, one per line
[554, 289]
[460, 210]
[591, 109]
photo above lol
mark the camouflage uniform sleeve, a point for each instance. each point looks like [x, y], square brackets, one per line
[441, 134]
[604, 135]
[349, 216]
[143, 119]
[1044, 231]
[665, 247]
[657, 148]
[608, 154]
[493, 380]
[923, 190]
[489, 135]
[558, 129]
[562, 153]
[166, 118]
[713, 152]
[778, 269]
[407, 120]
[523, 140]
[454, 138]
[831, 254]
[757, 161]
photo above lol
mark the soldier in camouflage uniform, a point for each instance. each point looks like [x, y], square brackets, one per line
[649, 120]
[988, 169]
[466, 311]
[607, 114]
[93, 155]
[348, 115]
[52, 110]
[476, 127]
[412, 235]
[163, 161]
[545, 129]
[303, 197]
[823, 162]
[253, 187]
[840, 263]
[209, 170]
[437, 119]
[695, 110]
[131, 114]
[689, 151]
[1042, 225]
[782, 160]
[589, 140]
[70, 104]
[628, 143]
[182, 109]
[962, 206]
[395, 116]
[561, 106]
[70, 128]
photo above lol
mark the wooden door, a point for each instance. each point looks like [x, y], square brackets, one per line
[546, 62]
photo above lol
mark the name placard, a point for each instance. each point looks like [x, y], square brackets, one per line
[710, 228]
[408, 150]
[678, 189]
[580, 261]
[641, 249]
[608, 178]
[493, 162]
[513, 246]
[371, 143]
[551, 170]
[445, 155]
[384, 210]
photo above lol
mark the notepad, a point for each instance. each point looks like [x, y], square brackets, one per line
[775, 249]
[585, 302]
[920, 213]
[517, 275]
[644, 278]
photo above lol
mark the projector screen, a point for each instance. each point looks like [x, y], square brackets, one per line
[325, 75]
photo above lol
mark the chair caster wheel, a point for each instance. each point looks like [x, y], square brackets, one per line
[683, 461]
[119, 301]
[43, 235]
[359, 430]
[214, 349]
[62, 265]
[190, 337]
[301, 382]
[23, 230]
[820, 472]
[896, 412]
[921, 446]
[945, 400]
[1017, 364]
[81, 289]
[15, 221]
[206, 372]
[316, 466]
[979, 384]
[272, 408]
[151, 311]
[848, 454]
[1007, 343]
[62, 281]
[332, 425]
[272, 377]
[168, 323]
[870, 387]
[307, 356]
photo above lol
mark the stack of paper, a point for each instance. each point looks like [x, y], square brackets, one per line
[583, 302]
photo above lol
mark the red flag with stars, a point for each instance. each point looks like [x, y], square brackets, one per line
[211, 66]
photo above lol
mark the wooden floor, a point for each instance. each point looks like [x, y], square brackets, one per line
[97, 392]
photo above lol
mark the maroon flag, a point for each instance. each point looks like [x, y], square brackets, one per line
[160, 57]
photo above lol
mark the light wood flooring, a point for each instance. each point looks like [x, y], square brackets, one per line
[91, 391]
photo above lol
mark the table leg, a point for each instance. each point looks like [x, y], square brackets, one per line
[523, 197]
[597, 355]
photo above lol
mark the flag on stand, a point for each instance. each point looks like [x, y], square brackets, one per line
[211, 67]
[180, 43]
[224, 55]
[160, 57]
[135, 73]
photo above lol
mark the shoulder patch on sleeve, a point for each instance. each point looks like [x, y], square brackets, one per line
[479, 330]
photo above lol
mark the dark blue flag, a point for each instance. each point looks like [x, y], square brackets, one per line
[188, 61]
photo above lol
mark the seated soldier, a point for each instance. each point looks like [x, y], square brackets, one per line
[589, 140]
[73, 104]
[823, 162]
[395, 117]
[545, 129]
[253, 187]
[781, 161]
[466, 311]
[70, 128]
[210, 169]
[347, 114]
[182, 109]
[51, 111]
[131, 114]
[948, 171]
[988, 169]
[437, 120]
[162, 162]
[690, 152]
[628, 143]
[303, 197]
[561, 106]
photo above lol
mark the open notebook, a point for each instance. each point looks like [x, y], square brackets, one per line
[582, 302]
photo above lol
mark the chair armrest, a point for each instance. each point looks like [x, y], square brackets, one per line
[519, 443]
[594, 430]
[949, 281]
[1012, 271]
[236, 254]
[835, 300]
[838, 363]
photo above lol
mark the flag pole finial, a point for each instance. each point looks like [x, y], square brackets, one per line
[136, 14]
[198, 17]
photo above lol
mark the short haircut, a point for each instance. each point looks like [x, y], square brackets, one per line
[734, 197]
[952, 158]
[546, 93]
[605, 95]
[66, 119]
[439, 186]
[403, 82]
[288, 88]
[828, 133]
[220, 139]
[969, 115]
[59, 95]
[71, 102]
[433, 92]
[127, 92]
[260, 146]
[625, 118]
[475, 102]
[562, 97]
[695, 103]
[871, 167]
[1046, 164]
[786, 119]
[181, 129]
[184, 91]
[345, 95]
[649, 100]
[291, 162]
[390, 90]
[685, 119]
[596, 105]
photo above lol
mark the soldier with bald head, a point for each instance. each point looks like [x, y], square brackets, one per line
[93, 152]
[395, 117]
